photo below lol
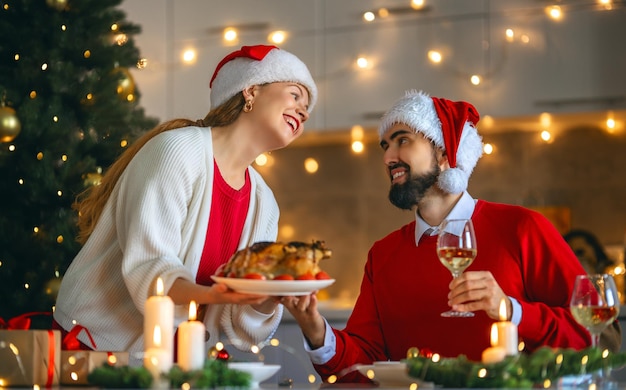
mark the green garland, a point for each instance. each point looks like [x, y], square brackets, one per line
[214, 374]
[543, 367]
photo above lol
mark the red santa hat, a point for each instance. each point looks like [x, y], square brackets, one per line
[256, 65]
[449, 125]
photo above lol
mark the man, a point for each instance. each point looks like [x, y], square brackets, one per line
[431, 146]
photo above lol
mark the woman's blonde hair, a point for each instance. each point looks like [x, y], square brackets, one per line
[90, 202]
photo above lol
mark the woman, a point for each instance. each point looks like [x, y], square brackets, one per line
[180, 201]
[589, 251]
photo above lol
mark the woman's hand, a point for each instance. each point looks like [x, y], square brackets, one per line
[220, 293]
[183, 291]
[478, 290]
[304, 310]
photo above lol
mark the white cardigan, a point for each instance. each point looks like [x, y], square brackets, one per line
[154, 224]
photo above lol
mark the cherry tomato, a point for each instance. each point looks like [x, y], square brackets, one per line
[322, 276]
[306, 276]
[284, 277]
[254, 275]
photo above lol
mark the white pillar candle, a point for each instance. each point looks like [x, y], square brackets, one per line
[191, 343]
[507, 332]
[159, 311]
[156, 359]
[495, 353]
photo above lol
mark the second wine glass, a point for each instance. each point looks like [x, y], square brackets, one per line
[595, 303]
[456, 249]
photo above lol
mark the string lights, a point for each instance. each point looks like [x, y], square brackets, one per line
[439, 57]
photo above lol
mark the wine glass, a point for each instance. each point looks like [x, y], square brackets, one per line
[595, 304]
[456, 248]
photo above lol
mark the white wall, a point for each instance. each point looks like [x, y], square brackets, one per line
[579, 60]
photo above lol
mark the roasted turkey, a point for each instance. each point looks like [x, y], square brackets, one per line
[277, 260]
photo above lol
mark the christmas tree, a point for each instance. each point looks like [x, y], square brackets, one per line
[69, 107]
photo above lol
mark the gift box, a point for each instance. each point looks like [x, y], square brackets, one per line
[77, 365]
[30, 357]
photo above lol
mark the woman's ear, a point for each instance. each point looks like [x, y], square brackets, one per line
[250, 92]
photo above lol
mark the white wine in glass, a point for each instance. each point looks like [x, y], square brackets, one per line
[595, 305]
[456, 249]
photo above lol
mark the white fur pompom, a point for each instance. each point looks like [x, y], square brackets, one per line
[453, 181]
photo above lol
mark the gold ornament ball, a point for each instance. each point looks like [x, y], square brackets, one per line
[59, 5]
[412, 352]
[125, 84]
[52, 287]
[213, 352]
[10, 125]
[92, 179]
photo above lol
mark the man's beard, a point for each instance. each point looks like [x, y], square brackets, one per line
[406, 195]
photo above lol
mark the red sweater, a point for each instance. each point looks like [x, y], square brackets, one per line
[404, 290]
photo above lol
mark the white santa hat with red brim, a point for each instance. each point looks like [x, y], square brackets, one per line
[257, 65]
[449, 125]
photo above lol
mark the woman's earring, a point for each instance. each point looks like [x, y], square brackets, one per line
[248, 106]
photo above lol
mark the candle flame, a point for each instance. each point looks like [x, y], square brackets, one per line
[156, 337]
[494, 335]
[502, 311]
[159, 287]
[192, 311]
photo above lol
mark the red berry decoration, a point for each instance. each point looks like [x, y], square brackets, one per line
[425, 352]
[222, 355]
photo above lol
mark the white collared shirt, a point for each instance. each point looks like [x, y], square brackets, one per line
[463, 209]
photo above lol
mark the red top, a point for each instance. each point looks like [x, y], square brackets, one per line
[229, 208]
[404, 290]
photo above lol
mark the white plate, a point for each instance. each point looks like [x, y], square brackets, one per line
[259, 372]
[391, 374]
[274, 287]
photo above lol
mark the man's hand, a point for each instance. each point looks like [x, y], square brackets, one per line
[304, 310]
[478, 290]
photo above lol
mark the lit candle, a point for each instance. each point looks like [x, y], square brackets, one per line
[191, 348]
[159, 311]
[156, 359]
[507, 331]
[495, 353]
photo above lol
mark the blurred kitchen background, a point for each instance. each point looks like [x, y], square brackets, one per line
[548, 77]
